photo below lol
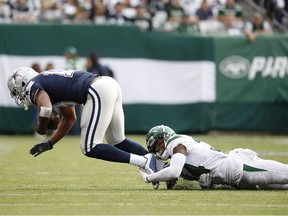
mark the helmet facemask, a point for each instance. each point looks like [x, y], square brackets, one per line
[20, 99]
[162, 152]
[155, 137]
[153, 142]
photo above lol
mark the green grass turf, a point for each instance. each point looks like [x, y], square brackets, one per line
[64, 182]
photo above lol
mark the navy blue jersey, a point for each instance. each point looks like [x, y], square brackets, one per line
[62, 86]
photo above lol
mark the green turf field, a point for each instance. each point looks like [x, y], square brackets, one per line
[64, 182]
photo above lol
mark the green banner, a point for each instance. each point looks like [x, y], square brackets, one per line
[191, 83]
[110, 41]
[252, 72]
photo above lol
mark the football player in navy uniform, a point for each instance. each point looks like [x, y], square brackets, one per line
[61, 90]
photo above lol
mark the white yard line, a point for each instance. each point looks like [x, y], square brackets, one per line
[144, 204]
[243, 193]
[268, 153]
[243, 205]
[283, 141]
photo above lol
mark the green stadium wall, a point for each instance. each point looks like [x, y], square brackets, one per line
[191, 83]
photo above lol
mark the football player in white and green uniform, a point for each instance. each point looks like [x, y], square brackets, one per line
[197, 160]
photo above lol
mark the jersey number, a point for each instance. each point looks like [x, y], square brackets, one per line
[64, 73]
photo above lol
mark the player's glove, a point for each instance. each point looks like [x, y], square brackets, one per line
[41, 147]
[144, 176]
[171, 183]
[205, 180]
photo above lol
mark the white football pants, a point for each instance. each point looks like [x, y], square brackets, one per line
[102, 114]
[261, 172]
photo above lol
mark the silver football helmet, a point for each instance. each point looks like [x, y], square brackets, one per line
[17, 84]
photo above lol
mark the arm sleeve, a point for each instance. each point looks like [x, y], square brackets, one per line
[173, 171]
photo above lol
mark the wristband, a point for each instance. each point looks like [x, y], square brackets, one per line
[45, 112]
[50, 145]
[38, 132]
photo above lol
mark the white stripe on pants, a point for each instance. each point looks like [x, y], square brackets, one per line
[102, 114]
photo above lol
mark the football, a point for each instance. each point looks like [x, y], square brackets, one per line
[54, 121]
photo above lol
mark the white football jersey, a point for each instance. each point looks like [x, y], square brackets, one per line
[199, 154]
[203, 158]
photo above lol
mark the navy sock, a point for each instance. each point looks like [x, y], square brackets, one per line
[109, 153]
[131, 147]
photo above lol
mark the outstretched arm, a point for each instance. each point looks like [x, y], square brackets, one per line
[177, 163]
[67, 120]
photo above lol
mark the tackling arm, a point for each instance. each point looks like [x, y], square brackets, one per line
[177, 163]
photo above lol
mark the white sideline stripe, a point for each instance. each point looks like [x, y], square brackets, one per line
[67, 185]
[243, 205]
[86, 204]
[282, 142]
[143, 204]
[268, 153]
[121, 194]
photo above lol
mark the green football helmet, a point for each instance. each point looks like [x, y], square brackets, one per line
[157, 134]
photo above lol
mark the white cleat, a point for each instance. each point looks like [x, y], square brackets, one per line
[150, 165]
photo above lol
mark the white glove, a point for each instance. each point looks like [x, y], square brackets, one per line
[205, 181]
[144, 175]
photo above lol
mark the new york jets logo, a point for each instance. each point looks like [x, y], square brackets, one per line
[234, 67]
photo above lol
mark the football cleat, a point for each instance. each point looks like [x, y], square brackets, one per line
[150, 165]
